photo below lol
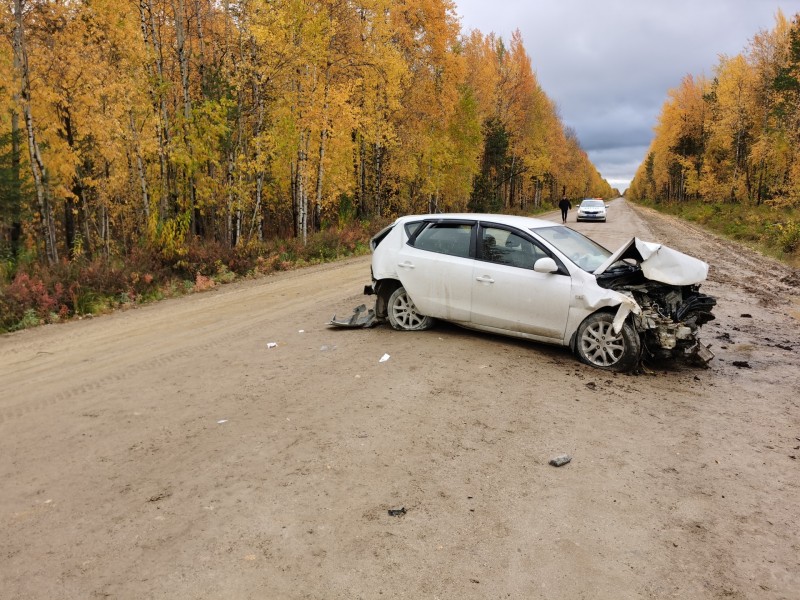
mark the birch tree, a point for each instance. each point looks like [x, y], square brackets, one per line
[38, 167]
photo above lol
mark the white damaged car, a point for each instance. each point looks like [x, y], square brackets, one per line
[541, 281]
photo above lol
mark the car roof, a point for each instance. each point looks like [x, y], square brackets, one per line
[513, 220]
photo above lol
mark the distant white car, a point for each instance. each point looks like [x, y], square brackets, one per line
[592, 209]
[542, 281]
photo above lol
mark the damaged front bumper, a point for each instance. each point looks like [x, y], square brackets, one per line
[664, 285]
[665, 337]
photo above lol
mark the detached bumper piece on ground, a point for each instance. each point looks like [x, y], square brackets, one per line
[361, 317]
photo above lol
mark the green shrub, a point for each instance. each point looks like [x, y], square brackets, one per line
[29, 319]
[31, 293]
[788, 236]
[775, 230]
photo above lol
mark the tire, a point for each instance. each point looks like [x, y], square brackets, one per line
[403, 315]
[597, 345]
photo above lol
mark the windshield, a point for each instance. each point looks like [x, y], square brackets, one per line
[592, 204]
[585, 253]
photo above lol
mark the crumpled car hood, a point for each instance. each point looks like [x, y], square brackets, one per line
[659, 263]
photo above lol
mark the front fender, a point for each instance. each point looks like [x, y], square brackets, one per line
[594, 299]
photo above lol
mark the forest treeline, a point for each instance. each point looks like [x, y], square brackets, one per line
[169, 123]
[734, 139]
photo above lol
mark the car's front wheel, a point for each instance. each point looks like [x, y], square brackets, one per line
[403, 314]
[598, 345]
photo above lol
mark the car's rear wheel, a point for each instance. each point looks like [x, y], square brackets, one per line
[598, 345]
[403, 314]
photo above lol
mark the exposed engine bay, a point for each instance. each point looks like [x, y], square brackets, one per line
[671, 313]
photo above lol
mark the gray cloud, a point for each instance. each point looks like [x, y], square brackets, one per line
[610, 65]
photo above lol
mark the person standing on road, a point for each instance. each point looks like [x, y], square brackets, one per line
[564, 205]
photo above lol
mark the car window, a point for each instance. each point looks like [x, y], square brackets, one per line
[445, 238]
[585, 253]
[411, 227]
[505, 247]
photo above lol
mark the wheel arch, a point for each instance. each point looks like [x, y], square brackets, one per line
[383, 289]
[611, 310]
[631, 357]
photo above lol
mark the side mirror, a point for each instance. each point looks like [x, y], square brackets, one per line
[545, 265]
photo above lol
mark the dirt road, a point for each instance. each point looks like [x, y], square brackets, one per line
[168, 452]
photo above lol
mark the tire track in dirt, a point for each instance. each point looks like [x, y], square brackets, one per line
[733, 263]
[282, 297]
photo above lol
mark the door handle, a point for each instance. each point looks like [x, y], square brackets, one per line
[406, 265]
[484, 279]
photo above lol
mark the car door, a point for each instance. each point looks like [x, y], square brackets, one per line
[507, 294]
[435, 267]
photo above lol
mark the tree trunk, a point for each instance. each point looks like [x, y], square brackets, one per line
[323, 136]
[38, 168]
[16, 176]
[140, 168]
[201, 63]
[317, 224]
[256, 220]
[151, 33]
[512, 183]
[301, 190]
[183, 61]
[76, 204]
[358, 173]
[378, 189]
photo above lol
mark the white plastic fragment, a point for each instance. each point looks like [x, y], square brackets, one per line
[384, 358]
[221, 421]
[272, 345]
[302, 331]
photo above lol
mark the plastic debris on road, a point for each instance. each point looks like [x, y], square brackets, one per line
[561, 460]
[361, 317]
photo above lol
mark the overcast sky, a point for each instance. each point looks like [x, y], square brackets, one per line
[610, 64]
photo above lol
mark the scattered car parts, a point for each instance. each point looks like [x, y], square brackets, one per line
[361, 317]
